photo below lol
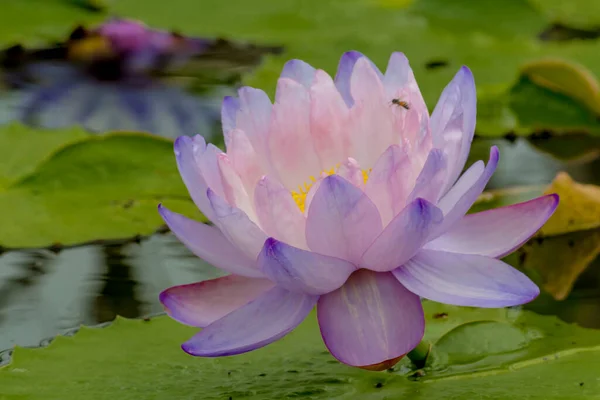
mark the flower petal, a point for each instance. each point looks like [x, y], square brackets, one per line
[278, 213]
[403, 237]
[260, 322]
[208, 163]
[233, 187]
[328, 115]
[390, 182]
[237, 227]
[202, 303]
[342, 222]
[291, 151]
[208, 243]
[344, 72]
[499, 231]
[371, 319]
[430, 181]
[185, 148]
[463, 194]
[466, 280]
[299, 71]
[453, 122]
[370, 124]
[350, 171]
[399, 82]
[302, 271]
[244, 159]
[254, 118]
[229, 109]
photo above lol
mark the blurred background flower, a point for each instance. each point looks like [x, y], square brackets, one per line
[122, 75]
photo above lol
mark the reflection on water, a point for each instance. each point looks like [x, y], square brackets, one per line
[43, 294]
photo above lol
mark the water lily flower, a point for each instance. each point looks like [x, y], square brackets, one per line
[339, 197]
[123, 75]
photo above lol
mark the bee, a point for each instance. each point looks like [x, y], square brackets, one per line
[400, 103]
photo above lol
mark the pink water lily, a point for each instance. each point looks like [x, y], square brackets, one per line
[338, 197]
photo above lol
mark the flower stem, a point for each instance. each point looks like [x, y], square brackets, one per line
[420, 353]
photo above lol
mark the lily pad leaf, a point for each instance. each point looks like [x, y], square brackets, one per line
[101, 187]
[579, 207]
[559, 260]
[566, 77]
[142, 359]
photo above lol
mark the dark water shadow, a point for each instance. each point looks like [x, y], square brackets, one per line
[44, 294]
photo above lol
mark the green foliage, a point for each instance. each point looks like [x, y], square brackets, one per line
[67, 187]
[514, 354]
[495, 39]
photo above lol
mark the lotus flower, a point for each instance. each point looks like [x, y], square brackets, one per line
[339, 197]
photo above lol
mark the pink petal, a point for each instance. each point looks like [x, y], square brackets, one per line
[244, 160]
[233, 188]
[237, 227]
[278, 213]
[254, 118]
[291, 151]
[202, 303]
[399, 82]
[208, 243]
[461, 197]
[299, 71]
[430, 181]
[344, 72]
[370, 124]
[453, 122]
[403, 237]
[229, 110]
[351, 171]
[185, 150]
[260, 322]
[209, 167]
[497, 232]
[466, 280]
[302, 271]
[328, 115]
[390, 182]
[370, 320]
[342, 222]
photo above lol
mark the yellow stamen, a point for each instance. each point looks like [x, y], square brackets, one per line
[90, 48]
[299, 195]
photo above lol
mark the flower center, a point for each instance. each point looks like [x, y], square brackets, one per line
[299, 195]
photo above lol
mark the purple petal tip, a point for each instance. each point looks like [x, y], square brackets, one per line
[270, 244]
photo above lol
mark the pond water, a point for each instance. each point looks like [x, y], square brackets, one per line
[43, 294]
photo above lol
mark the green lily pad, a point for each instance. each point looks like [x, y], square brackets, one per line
[133, 359]
[495, 40]
[34, 21]
[568, 78]
[71, 188]
[572, 148]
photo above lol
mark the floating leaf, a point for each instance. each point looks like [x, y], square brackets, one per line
[579, 207]
[559, 260]
[23, 148]
[543, 359]
[566, 77]
[34, 20]
[101, 187]
[575, 147]
[437, 36]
